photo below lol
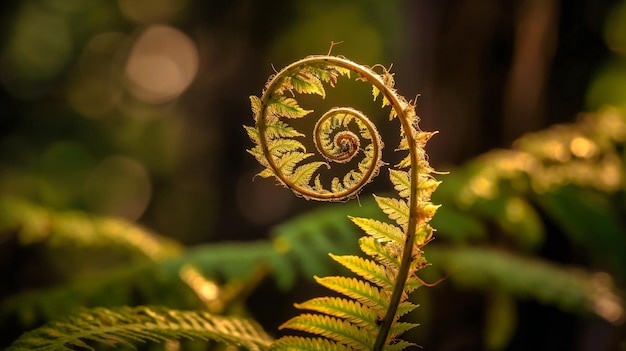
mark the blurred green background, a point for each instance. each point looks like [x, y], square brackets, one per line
[134, 109]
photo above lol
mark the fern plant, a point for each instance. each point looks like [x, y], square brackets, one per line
[367, 316]
[125, 325]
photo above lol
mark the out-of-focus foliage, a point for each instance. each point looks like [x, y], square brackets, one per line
[609, 85]
[91, 116]
[36, 225]
[113, 112]
[121, 263]
[128, 326]
[570, 177]
[466, 250]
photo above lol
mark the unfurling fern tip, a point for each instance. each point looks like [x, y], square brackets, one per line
[366, 315]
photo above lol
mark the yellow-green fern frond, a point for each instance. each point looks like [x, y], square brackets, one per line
[128, 326]
[396, 209]
[401, 182]
[383, 253]
[366, 316]
[303, 82]
[336, 329]
[297, 343]
[361, 291]
[368, 300]
[381, 231]
[341, 135]
[367, 269]
[280, 106]
[350, 310]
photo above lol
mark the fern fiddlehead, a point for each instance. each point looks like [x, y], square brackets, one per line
[280, 152]
[368, 317]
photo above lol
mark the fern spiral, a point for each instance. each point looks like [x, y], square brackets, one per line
[367, 317]
[345, 144]
[339, 135]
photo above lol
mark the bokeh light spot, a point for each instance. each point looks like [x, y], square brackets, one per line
[207, 290]
[119, 186]
[39, 48]
[96, 86]
[611, 172]
[162, 64]
[583, 147]
[555, 150]
[483, 187]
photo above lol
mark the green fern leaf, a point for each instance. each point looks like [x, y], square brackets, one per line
[342, 71]
[266, 173]
[302, 175]
[298, 343]
[257, 152]
[386, 102]
[398, 345]
[350, 310]
[405, 162]
[412, 284]
[253, 134]
[287, 107]
[126, 325]
[327, 72]
[381, 231]
[335, 329]
[359, 290]
[379, 251]
[367, 269]
[406, 307]
[305, 82]
[397, 210]
[279, 147]
[256, 105]
[279, 129]
[324, 74]
[400, 327]
[375, 92]
[274, 129]
[336, 185]
[401, 182]
[286, 163]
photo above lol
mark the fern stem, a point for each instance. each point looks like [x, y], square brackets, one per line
[404, 110]
[414, 219]
[400, 106]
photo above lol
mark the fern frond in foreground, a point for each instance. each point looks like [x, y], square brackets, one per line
[128, 326]
[366, 315]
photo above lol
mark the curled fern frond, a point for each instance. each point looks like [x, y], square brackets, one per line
[367, 316]
[340, 135]
[128, 326]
